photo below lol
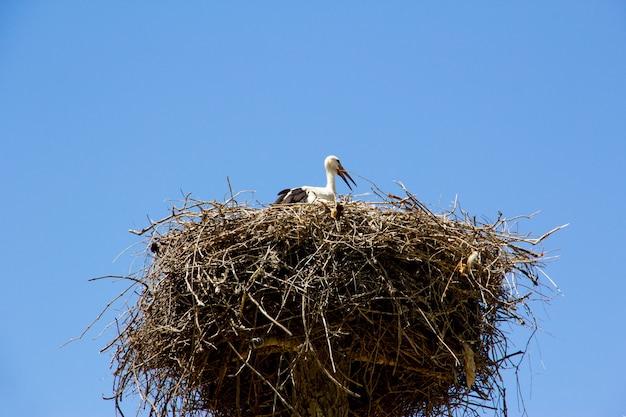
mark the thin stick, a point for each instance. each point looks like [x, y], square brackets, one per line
[270, 318]
[99, 316]
[265, 381]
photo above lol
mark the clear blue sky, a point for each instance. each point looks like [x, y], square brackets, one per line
[110, 109]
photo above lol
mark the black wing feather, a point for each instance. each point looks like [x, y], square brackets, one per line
[291, 196]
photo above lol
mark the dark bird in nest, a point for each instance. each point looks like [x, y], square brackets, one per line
[155, 248]
[308, 194]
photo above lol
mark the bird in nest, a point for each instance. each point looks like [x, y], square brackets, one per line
[309, 194]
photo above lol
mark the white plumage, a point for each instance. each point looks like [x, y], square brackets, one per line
[309, 194]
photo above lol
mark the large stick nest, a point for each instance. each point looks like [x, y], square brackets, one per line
[241, 311]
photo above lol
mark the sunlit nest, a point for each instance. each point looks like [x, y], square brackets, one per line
[355, 309]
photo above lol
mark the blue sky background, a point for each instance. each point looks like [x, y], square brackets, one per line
[108, 110]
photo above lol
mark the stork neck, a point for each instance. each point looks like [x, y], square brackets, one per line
[330, 182]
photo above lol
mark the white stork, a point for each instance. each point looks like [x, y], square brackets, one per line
[308, 194]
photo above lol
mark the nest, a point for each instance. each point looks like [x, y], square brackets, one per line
[353, 309]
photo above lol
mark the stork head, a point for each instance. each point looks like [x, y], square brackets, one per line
[333, 166]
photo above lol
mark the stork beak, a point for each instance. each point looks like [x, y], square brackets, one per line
[343, 174]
